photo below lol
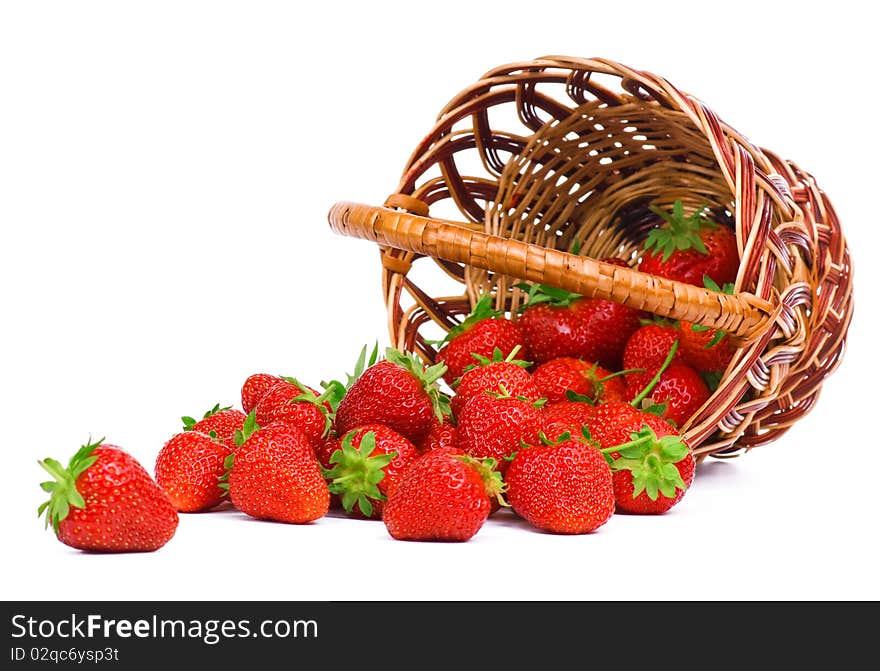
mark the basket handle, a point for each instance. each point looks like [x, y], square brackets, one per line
[743, 315]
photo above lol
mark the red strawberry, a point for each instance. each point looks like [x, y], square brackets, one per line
[706, 349]
[608, 325]
[566, 417]
[681, 391]
[687, 248]
[275, 476]
[563, 487]
[255, 387]
[190, 468]
[557, 377]
[642, 448]
[496, 424]
[441, 435]
[558, 323]
[484, 331]
[646, 349]
[443, 497]
[219, 423]
[398, 392]
[105, 501]
[365, 467]
[488, 374]
[551, 323]
[293, 403]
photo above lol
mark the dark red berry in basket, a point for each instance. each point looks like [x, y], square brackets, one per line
[399, 392]
[551, 323]
[563, 487]
[488, 374]
[219, 423]
[559, 379]
[645, 352]
[105, 501]
[496, 424]
[558, 323]
[190, 469]
[365, 466]
[608, 325]
[484, 331]
[685, 248]
[275, 475]
[255, 387]
[443, 497]
[706, 349]
[681, 391]
[652, 464]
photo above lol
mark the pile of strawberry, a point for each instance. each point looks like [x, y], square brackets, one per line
[566, 413]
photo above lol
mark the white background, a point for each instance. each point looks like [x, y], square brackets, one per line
[165, 174]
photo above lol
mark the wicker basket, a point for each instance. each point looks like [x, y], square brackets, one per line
[559, 154]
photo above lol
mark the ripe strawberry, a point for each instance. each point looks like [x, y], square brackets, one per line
[608, 325]
[557, 323]
[440, 436]
[563, 487]
[707, 349]
[646, 349]
[443, 497]
[219, 423]
[496, 424]
[566, 417]
[190, 468]
[293, 403]
[487, 374]
[551, 323]
[105, 501]
[557, 377]
[686, 248]
[398, 392]
[275, 475]
[366, 466]
[681, 391]
[484, 331]
[255, 387]
[651, 463]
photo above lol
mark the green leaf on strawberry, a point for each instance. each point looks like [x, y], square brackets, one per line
[356, 472]
[62, 490]
[680, 232]
[651, 461]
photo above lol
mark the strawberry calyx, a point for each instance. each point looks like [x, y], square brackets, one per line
[356, 472]
[62, 490]
[482, 310]
[427, 376]
[190, 422]
[248, 428]
[679, 232]
[492, 481]
[544, 293]
[497, 357]
[652, 462]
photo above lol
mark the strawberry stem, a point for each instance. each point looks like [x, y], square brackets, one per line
[637, 401]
